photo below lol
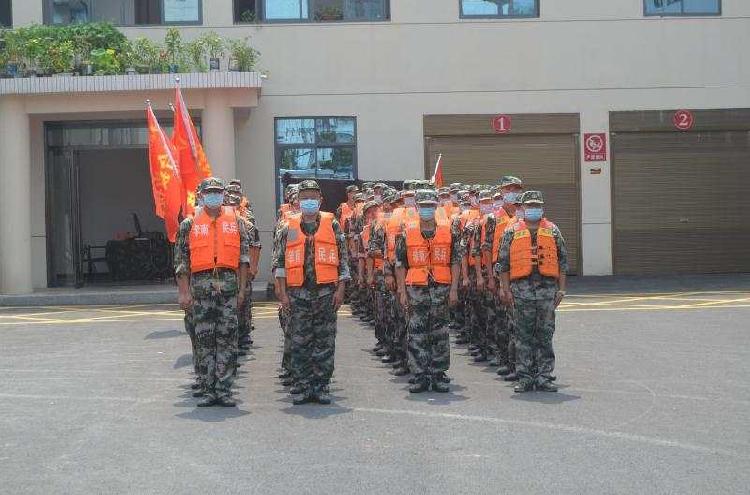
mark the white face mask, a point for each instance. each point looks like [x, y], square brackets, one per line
[410, 201]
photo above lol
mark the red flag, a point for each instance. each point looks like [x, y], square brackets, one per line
[191, 159]
[166, 185]
[437, 176]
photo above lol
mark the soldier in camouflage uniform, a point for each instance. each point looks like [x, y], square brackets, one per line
[286, 360]
[212, 293]
[485, 308]
[533, 261]
[188, 319]
[312, 269]
[428, 255]
[235, 199]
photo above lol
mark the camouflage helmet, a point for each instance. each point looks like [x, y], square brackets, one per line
[369, 205]
[532, 197]
[235, 182]
[410, 185]
[391, 196]
[509, 180]
[367, 185]
[234, 188]
[485, 194]
[380, 185]
[309, 185]
[455, 187]
[426, 196]
[359, 197]
[212, 184]
[352, 188]
[444, 191]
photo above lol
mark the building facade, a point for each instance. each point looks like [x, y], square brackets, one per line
[583, 99]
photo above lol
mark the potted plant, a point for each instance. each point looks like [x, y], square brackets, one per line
[145, 55]
[215, 47]
[14, 52]
[126, 57]
[61, 54]
[33, 53]
[196, 52]
[82, 47]
[330, 13]
[243, 56]
[174, 48]
[105, 61]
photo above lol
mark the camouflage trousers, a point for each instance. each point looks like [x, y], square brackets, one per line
[312, 327]
[498, 330]
[459, 311]
[215, 318]
[428, 341]
[190, 329]
[245, 315]
[477, 317]
[286, 357]
[535, 326]
[381, 316]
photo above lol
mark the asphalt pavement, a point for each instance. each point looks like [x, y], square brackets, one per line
[654, 398]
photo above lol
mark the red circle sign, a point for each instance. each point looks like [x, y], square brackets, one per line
[502, 124]
[595, 143]
[684, 120]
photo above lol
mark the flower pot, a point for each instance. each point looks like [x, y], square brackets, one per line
[130, 71]
[214, 64]
[234, 66]
[174, 68]
[63, 74]
[11, 69]
[87, 70]
[142, 69]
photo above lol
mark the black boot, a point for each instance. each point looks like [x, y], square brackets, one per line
[504, 370]
[421, 384]
[512, 377]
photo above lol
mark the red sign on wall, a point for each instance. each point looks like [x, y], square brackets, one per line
[502, 124]
[684, 120]
[595, 147]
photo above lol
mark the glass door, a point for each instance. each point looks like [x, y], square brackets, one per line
[64, 267]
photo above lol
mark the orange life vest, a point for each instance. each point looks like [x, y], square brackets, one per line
[346, 213]
[524, 256]
[325, 248]
[501, 223]
[378, 262]
[431, 257]
[215, 243]
[469, 217]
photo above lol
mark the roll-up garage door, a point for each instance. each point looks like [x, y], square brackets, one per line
[680, 198]
[541, 149]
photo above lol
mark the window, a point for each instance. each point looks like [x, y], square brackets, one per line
[245, 11]
[316, 147]
[315, 10]
[499, 8]
[124, 12]
[5, 18]
[682, 7]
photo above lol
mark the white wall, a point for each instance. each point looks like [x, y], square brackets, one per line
[584, 56]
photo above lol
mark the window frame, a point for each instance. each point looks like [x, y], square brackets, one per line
[260, 15]
[681, 14]
[47, 17]
[10, 16]
[278, 147]
[537, 6]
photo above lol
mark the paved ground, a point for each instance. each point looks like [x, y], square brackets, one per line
[655, 398]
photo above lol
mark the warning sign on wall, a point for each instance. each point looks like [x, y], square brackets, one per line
[502, 124]
[595, 147]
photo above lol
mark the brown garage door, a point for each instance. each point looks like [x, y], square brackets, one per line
[680, 199]
[547, 161]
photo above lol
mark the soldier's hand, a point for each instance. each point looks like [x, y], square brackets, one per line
[403, 299]
[491, 284]
[338, 296]
[559, 295]
[185, 300]
[390, 283]
[240, 298]
[284, 300]
[508, 298]
[465, 282]
[453, 296]
[480, 283]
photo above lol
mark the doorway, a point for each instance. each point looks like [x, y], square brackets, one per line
[101, 226]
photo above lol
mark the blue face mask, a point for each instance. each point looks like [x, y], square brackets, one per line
[213, 200]
[427, 212]
[309, 206]
[510, 197]
[533, 214]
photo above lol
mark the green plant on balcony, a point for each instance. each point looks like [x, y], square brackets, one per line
[105, 61]
[175, 50]
[196, 52]
[243, 56]
[60, 57]
[145, 55]
[215, 47]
